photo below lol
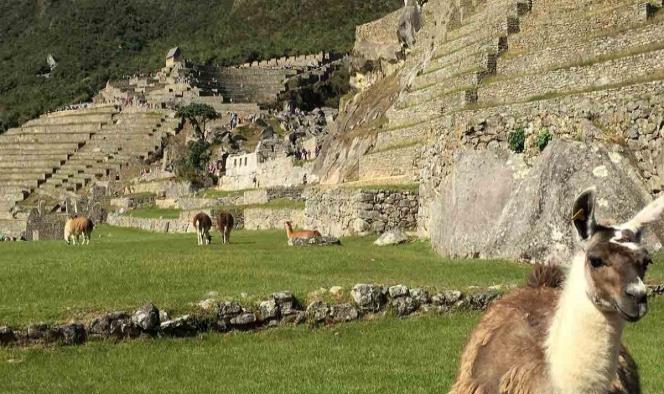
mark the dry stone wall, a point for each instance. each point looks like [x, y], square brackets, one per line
[271, 218]
[344, 212]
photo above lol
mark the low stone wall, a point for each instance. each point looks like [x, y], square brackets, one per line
[271, 218]
[153, 225]
[133, 202]
[343, 212]
[280, 309]
[190, 203]
[46, 227]
[263, 196]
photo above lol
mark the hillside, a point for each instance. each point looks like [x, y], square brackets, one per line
[93, 40]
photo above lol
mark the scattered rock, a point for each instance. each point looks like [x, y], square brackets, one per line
[244, 320]
[336, 291]
[317, 241]
[147, 318]
[404, 306]
[108, 325]
[228, 309]
[398, 291]
[7, 336]
[392, 237]
[184, 326]
[420, 295]
[368, 297]
[208, 305]
[72, 334]
[269, 310]
[343, 313]
[482, 300]
[317, 311]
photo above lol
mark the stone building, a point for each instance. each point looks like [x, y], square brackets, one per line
[173, 56]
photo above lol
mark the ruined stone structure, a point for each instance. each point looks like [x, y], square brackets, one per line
[583, 72]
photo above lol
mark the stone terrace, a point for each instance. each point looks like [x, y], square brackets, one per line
[64, 151]
[505, 52]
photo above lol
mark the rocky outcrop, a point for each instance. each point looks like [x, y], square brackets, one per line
[493, 204]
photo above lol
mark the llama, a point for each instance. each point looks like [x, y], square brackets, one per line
[225, 223]
[77, 226]
[306, 234]
[202, 223]
[548, 340]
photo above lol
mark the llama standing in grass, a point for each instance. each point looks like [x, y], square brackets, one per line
[225, 223]
[305, 234]
[202, 223]
[76, 227]
[545, 340]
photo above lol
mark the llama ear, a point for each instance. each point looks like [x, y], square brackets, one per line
[652, 212]
[583, 214]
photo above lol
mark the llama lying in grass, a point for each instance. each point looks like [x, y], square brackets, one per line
[305, 234]
[225, 223]
[202, 223]
[545, 340]
[76, 227]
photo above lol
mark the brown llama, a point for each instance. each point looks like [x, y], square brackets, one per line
[306, 234]
[225, 223]
[202, 223]
[76, 227]
[542, 339]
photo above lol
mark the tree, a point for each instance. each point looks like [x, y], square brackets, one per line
[198, 115]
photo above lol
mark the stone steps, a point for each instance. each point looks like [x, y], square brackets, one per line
[27, 177]
[620, 71]
[24, 184]
[70, 120]
[31, 138]
[581, 52]
[26, 164]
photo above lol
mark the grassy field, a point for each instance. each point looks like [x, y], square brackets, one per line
[415, 355]
[123, 268]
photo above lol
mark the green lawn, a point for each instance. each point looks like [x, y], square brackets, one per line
[414, 355]
[124, 268]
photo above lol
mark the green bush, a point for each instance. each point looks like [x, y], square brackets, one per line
[543, 139]
[517, 140]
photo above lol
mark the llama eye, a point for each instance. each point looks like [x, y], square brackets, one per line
[596, 262]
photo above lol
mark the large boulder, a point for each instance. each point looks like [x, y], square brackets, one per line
[494, 205]
[147, 318]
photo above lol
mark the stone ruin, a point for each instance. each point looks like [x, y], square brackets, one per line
[586, 75]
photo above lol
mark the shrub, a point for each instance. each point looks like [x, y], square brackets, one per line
[517, 140]
[543, 139]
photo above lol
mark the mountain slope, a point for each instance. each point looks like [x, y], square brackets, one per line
[97, 40]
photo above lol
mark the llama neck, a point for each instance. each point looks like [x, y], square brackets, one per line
[583, 343]
[289, 230]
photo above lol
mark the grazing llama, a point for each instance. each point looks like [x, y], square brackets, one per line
[545, 340]
[225, 223]
[306, 234]
[77, 226]
[202, 223]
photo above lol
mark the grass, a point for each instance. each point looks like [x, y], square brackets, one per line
[415, 355]
[123, 268]
[154, 213]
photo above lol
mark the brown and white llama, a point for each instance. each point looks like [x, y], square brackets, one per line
[543, 339]
[76, 227]
[225, 223]
[305, 234]
[202, 223]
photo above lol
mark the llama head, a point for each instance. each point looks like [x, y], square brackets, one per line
[615, 259]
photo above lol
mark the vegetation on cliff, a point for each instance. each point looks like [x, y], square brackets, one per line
[95, 40]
